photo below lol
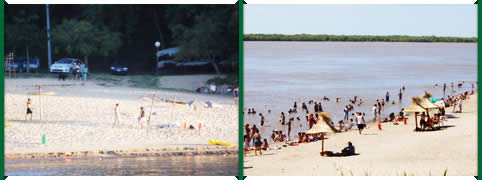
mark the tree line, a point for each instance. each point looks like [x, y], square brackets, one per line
[356, 38]
[101, 34]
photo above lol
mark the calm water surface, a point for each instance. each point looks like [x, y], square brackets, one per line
[279, 73]
[141, 166]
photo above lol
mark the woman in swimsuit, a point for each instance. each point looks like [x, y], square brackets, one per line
[282, 118]
[265, 145]
[245, 145]
[247, 130]
[29, 109]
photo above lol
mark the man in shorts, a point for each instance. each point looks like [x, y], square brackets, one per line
[29, 109]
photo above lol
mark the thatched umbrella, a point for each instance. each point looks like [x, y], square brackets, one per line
[415, 108]
[321, 127]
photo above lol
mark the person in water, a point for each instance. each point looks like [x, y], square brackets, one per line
[29, 109]
[262, 119]
[282, 118]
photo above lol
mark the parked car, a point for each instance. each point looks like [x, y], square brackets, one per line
[20, 65]
[119, 68]
[65, 65]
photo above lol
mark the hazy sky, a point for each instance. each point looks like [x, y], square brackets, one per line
[416, 20]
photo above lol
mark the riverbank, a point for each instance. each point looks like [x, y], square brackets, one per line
[395, 150]
[77, 120]
[149, 152]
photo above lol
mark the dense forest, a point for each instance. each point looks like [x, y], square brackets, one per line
[323, 37]
[101, 34]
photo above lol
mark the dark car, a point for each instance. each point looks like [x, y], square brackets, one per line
[119, 68]
[20, 65]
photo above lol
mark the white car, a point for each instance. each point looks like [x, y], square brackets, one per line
[65, 65]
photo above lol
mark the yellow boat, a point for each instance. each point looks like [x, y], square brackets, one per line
[216, 142]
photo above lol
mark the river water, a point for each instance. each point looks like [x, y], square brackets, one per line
[276, 74]
[212, 165]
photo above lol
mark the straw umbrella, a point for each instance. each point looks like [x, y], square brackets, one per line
[321, 127]
[415, 108]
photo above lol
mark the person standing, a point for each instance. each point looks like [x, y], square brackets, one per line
[116, 115]
[236, 95]
[360, 122]
[460, 105]
[262, 119]
[29, 109]
[387, 97]
[289, 127]
[257, 143]
[445, 87]
[400, 95]
[374, 109]
[140, 119]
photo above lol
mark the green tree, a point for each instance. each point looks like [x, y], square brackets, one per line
[23, 32]
[211, 34]
[81, 38]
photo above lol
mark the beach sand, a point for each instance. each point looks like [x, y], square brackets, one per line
[79, 119]
[396, 150]
[187, 82]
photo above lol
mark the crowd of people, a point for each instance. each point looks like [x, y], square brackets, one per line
[351, 120]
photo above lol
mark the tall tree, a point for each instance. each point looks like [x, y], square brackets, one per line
[81, 38]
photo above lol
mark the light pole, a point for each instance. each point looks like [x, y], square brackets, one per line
[157, 44]
[48, 36]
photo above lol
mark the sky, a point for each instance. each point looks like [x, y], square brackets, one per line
[414, 20]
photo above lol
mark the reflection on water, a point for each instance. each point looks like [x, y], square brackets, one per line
[276, 74]
[141, 166]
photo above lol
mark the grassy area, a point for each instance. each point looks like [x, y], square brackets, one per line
[144, 81]
[325, 37]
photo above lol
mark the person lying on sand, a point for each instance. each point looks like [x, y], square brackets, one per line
[29, 109]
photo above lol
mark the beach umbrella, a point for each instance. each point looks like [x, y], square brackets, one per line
[440, 103]
[427, 104]
[322, 127]
[414, 108]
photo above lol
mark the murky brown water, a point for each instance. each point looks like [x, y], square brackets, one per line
[276, 74]
[126, 166]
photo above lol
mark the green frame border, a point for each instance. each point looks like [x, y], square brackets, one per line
[241, 93]
[479, 125]
[2, 98]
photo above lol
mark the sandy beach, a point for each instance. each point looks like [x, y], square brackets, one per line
[79, 119]
[396, 150]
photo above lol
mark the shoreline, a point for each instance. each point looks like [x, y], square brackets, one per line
[394, 150]
[147, 152]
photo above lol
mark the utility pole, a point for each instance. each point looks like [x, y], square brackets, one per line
[48, 36]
